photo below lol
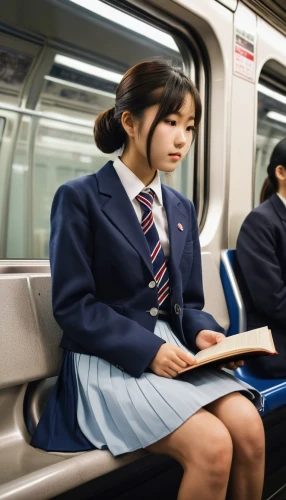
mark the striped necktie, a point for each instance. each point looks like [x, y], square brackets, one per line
[161, 275]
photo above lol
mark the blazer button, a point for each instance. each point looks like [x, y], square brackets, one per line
[152, 284]
[177, 309]
[153, 311]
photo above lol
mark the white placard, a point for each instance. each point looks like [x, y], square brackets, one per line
[244, 54]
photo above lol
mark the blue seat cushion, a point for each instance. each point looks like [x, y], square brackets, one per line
[273, 390]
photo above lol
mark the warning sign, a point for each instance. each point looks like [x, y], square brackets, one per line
[244, 55]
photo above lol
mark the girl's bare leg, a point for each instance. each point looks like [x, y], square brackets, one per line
[203, 446]
[246, 429]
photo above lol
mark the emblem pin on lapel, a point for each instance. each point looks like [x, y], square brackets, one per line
[180, 227]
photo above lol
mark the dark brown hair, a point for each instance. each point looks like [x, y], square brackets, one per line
[278, 157]
[145, 84]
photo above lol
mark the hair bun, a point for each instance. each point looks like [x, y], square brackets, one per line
[109, 134]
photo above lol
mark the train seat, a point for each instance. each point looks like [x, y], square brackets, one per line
[273, 390]
[29, 364]
[29, 352]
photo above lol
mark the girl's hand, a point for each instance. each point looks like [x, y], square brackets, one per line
[170, 360]
[207, 338]
[233, 365]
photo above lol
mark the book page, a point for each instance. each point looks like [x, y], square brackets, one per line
[253, 339]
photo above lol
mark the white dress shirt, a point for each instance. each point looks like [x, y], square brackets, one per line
[133, 186]
[282, 199]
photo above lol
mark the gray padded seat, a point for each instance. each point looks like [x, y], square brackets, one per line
[29, 352]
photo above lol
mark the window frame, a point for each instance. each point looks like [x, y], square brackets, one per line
[274, 81]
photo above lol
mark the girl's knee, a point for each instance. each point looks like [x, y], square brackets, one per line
[217, 455]
[213, 455]
[213, 460]
[203, 443]
[253, 444]
[249, 440]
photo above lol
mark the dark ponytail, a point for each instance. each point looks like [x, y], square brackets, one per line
[109, 134]
[271, 184]
[267, 190]
[144, 85]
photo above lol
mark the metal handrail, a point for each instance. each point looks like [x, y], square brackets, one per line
[38, 114]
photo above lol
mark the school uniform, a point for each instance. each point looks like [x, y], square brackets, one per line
[261, 254]
[106, 302]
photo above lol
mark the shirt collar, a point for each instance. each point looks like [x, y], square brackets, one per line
[282, 199]
[132, 184]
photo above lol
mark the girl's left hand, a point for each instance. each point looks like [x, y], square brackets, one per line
[207, 338]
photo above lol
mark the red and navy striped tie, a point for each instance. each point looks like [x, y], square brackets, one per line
[161, 275]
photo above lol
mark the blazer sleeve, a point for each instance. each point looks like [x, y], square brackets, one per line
[194, 319]
[94, 325]
[257, 257]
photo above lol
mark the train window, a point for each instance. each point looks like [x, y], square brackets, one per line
[14, 67]
[271, 128]
[83, 88]
[62, 152]
[72, 85]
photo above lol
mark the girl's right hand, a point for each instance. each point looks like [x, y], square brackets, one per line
[170, 360]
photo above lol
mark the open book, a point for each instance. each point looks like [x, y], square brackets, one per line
[252, 343]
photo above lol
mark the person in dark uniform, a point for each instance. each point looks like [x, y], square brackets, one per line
[127, 292]
[261, 254]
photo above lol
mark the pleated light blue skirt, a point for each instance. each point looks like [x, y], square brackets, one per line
[123, 413]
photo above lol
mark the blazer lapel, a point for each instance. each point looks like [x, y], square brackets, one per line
[177, 220]
[279, 208]
[119, 210]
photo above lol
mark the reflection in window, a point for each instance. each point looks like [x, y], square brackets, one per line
[78, 86]
[129, 22]
[271, 128]
[63, 151]
[18, 227]
[14, 67]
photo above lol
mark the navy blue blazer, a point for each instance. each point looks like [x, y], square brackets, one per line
[261, 254]
[101, 269]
